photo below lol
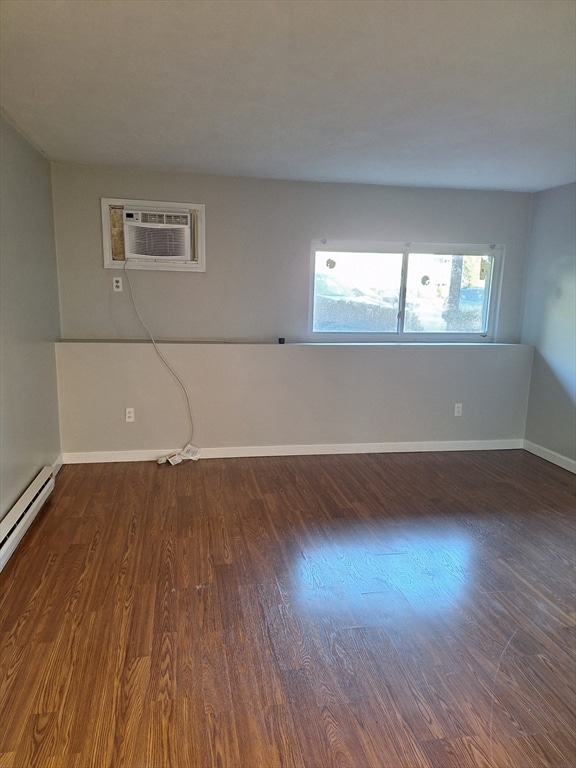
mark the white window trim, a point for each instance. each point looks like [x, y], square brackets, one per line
[449, 249]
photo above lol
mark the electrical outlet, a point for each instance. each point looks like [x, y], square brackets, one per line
[117, 284]
[457, 409]
[129, 414]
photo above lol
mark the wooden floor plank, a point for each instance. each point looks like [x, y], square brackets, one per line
[362, 611]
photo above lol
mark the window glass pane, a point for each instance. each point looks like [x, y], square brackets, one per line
[356, 292]
[447, 294]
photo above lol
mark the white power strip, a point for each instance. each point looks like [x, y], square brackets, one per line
[189, 452]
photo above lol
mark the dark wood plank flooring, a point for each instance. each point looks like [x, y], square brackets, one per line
[362, 611]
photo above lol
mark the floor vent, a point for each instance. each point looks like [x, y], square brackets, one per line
[15, 524]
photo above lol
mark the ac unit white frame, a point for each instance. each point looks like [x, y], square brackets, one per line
[198, 244]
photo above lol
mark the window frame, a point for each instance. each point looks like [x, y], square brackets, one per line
[497, 251]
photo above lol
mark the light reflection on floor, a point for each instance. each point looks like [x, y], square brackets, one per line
[412, 566]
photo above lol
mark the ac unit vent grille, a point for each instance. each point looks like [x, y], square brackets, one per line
[177, 218]
[167, 243]
[181, 219]
[151, 218]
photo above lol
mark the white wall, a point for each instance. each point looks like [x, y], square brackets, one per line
[269, 398]
[29, 434]
[258, 235]
[550, 321]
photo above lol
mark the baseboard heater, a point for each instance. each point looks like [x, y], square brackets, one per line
[15, 524]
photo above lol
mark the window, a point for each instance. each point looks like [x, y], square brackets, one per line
[407, 292]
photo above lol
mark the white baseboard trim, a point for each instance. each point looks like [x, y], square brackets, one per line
[339, 448]
[552, 456]
[103, 457]
[57, 465]
[95, 457]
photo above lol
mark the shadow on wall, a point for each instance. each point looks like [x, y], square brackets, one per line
[551, 421]
[557, 321]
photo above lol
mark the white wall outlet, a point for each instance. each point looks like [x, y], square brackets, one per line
[117, 284]
[457, 409]
[129, 414]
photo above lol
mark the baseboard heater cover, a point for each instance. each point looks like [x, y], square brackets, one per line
[15, 524]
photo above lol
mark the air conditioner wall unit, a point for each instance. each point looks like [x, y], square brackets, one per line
[157, 236]
[153, 235]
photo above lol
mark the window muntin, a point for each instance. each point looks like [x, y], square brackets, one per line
[420, 293]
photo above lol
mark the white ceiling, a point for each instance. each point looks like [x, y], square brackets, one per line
[451, 93]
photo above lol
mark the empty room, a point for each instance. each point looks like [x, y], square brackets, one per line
[288, 384]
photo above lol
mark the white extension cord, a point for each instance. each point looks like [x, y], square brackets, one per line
[189, 451]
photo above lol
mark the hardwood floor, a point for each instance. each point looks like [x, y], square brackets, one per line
[362, 611]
